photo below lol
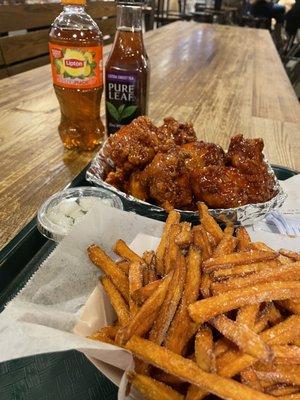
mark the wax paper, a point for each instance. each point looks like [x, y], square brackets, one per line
[64, 301]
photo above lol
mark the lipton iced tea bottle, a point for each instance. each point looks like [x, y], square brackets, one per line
[76, 59]
[127, 70]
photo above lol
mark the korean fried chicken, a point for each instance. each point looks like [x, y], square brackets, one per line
[166, 165]
[166, 180]
[133, 146]
[171, 133]
[244, 180]
[201, 154]
[245, 154]
[219, 186]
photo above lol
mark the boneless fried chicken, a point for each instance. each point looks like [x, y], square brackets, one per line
[133, 146]
[201, 154]
[171, 133]
[219, 186]
[166, 165]
[245, 154]
[166, 180]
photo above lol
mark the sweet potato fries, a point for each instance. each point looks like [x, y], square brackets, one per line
[209, 312]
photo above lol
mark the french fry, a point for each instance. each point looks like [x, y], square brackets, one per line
[226, 246]
[124, 251]
[249, 378]
[282, 389]
[208, 222]
[201, 240]
[102, 337]
[144, 318]
[288, 272]
[152, 389]
[185, 236]
[106, 264]
[116, 300]
[243, 270]
[142, 294]
[228, 260]
[205, 285]
[188, 371]
[150, 259]
[246, 339]
[232, 362]
[173, 218]
[172, 252]
[295, 256]
[222, 345]
[106, 334]
[204, 349]
[204, 310]
[123, 265]
[289, 374]
[286, 354]
[110, 330]
[145, 272]
[169, 306]
[135, 278]
[247, 315]
[262, 246]
[295, 396]
[178, 333]
[244, 241]
[229, 230]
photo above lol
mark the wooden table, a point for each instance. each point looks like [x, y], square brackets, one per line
[224, 79]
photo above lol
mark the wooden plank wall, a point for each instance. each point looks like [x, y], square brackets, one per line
[22, 52]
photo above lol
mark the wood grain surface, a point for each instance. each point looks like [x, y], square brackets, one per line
[28, 16]
[224, 79]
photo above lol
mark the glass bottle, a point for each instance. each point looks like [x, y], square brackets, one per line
[127, 70]
[77, 70]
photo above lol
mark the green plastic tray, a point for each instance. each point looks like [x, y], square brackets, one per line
[55, 376]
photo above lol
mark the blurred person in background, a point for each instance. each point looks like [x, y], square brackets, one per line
[267, 9]
[292, 19]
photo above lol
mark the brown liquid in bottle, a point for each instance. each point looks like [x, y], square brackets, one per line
[80, 126]
[126, 78]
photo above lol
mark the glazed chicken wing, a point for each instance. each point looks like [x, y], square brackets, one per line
[245, 154]
[219, 186]
[133, 146]
[202, 154]
[174, 133]
[166, 180]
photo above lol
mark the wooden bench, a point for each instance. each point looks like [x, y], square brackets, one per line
[29, 49]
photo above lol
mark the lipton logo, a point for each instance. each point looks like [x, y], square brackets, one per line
[73, 63]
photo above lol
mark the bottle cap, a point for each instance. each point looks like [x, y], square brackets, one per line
[78, 2]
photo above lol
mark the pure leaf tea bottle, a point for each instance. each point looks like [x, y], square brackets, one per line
[77, 71]
[127, 70]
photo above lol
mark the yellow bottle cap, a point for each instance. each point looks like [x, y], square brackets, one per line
[78, 2]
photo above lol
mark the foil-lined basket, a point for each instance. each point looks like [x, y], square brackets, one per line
[243, 215]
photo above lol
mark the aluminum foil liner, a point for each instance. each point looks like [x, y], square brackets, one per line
[243, 215]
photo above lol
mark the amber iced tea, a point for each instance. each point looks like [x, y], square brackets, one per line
[76, 57]
[127, 71]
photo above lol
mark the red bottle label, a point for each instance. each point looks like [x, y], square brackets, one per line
[76, 67]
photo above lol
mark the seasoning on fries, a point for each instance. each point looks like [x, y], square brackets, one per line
[209, 312]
